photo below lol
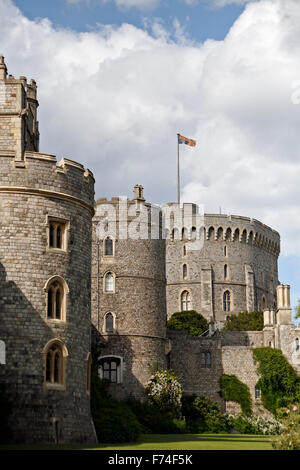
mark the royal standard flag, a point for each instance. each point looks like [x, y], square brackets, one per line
[185, 140]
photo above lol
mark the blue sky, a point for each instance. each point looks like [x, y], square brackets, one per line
[201, 21]
[116, 83]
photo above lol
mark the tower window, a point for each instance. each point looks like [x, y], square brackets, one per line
[108, 247]
[225, 250]
[184, 250]
[206, 359]
[185, 301]
[109, 282]
[56, 301]
[54, 366]
[109, 323]
[257, 392]
[297, 344]
[226, 301]
[184, 271]
[110, 369]
[57, 234]
[225, 271]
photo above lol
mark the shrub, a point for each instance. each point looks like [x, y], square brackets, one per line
[232, 389]
[203, 415]
[164, 391]
[190, 321]
[153, 420]
[256, 425]
[279, 382]
[290, 438]
[245, 321]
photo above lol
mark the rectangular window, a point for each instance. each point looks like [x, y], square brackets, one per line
[57, 233]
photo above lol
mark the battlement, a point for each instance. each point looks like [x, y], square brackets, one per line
[19, 130]
[40, 173]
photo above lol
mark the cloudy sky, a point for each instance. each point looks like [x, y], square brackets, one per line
[118, 79]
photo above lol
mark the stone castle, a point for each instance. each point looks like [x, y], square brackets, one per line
[75, 272]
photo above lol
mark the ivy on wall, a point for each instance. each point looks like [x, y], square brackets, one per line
[232, 389]
[279, 382]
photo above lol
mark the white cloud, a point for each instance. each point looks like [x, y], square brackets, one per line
[114, 99]
[216, 3]
[123, 4]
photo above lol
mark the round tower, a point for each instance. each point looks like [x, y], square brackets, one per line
[128, 292]
[219, 265]
[45, 261]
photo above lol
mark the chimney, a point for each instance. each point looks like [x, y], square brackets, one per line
[138, 193]
[3, 69]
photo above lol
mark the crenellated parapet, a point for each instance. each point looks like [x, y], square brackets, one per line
[40, 174]
[186, 222]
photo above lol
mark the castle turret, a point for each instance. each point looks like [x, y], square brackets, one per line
[45, 261]
[128, 291]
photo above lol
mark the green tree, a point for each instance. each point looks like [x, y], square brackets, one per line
[190, 321]
[245, 321]
[232, 389]
[297, 310]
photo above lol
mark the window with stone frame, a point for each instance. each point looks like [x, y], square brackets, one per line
[110, 369]
[226, 301]
[55, 304]
[225, 271]
[108, 246]
[109, 282]
[297, 344]
[205, 359]
[184, 271]
[57, 234]
[186, 301]
[54, 365]
[109, 323]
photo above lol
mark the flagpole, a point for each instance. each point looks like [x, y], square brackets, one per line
[178, 172]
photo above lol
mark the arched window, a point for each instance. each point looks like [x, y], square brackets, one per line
[108, 246]
[56, 299]
[184, 271]
[55, 354]
[109, 282]
[226, 301]
[185, 300]
[110, 368]
[297, 344]
[194, 233]
[109, 323]
[225, 271]
[184, 233]
[206, 359]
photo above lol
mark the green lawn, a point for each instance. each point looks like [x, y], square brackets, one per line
[173, 442]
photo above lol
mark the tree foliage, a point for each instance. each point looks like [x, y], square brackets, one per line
[297, 310]
[190, 321]
[232, 389]
[245, 321]
[279, 382]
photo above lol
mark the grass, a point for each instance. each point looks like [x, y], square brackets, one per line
[170, 442]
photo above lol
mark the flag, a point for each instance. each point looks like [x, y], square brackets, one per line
[185, 140]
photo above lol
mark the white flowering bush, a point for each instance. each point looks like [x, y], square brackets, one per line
[257, 425]
[290, 438]
[165, 391]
